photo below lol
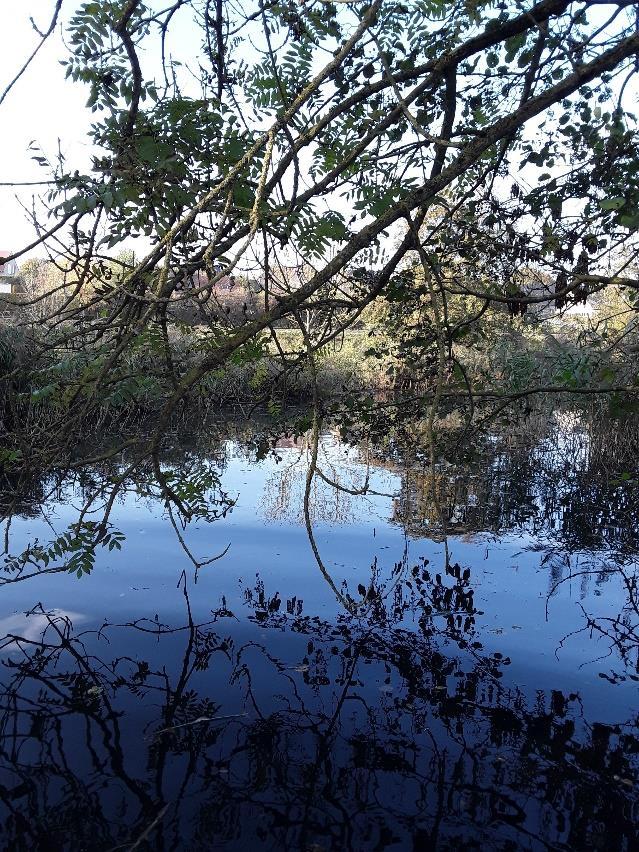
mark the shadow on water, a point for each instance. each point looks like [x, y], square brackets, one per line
[391, 714]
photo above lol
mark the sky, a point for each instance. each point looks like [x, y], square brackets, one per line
[42, 107]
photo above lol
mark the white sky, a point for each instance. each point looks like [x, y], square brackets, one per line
[42, 107]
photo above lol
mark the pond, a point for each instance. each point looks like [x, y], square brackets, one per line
[362, 667]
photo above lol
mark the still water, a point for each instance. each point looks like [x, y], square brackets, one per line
[384, 684]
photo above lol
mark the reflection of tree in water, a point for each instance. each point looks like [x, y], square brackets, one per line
[191, 489]
[618, 629]
[283, 498]
[564, 478]
[358, 734]
[571, 479]
[25, 491]
[388, 728]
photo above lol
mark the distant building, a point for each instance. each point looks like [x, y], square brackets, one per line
[9, 275]
[199, 281]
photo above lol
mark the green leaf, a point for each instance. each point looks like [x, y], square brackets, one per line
[612, 203]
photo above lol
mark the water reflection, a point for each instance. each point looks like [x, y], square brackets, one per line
[315, 735]
[401, 697]
[565, 479]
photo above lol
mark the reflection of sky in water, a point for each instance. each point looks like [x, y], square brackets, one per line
[267, 540]
[33, 626]
[307, 728]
